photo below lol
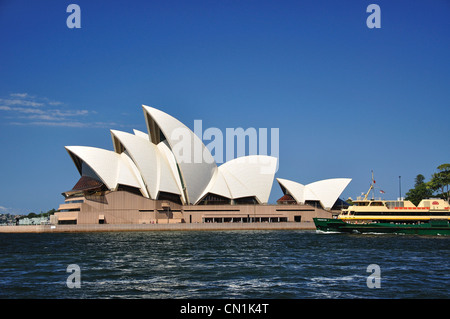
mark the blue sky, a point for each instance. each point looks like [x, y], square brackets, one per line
[347, 99]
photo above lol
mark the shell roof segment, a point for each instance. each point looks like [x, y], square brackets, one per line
[326, 191]
[150, 160]
[247, 176]
[112, 168]
[197, 165]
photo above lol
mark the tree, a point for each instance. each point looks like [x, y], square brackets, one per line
[48, 213]
[31, 215]
[420, 179]
[440, 181]
[420, 190]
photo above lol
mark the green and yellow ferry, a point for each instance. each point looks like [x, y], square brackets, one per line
[430, 217]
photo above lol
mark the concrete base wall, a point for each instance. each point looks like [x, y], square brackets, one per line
[124, 208]
[157, 227]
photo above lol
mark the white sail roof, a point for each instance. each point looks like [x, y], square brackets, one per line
[169, 177]
[197, 166]
[141, 134]
[256, 172]
[124, 173]
[296, 190]
[218, 185]
[329, 190]
[246, 176]
[326, 191]
[113, 169]
[153, 165]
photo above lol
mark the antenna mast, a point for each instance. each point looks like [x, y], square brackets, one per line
[371, 188]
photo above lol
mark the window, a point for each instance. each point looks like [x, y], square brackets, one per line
[129, 189]
[174, 198]
[376, 204]
[67, 222]
[213, 199]
[246, 200]
[393, 204]
[74, 201]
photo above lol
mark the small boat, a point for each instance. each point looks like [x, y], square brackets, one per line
[429, 217]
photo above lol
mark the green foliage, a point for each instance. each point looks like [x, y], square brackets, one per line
[31, 215]
[440, 181]
[439, 185]
[419, 192]
[48, 213]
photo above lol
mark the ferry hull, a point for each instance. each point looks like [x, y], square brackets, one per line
[433, 227]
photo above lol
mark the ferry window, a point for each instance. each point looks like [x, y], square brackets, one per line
[393, 204]
[362, 204]
[376, 204]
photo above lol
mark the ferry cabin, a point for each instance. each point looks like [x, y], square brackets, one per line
[396, 210]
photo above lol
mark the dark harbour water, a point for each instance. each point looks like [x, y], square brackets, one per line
[223, 264]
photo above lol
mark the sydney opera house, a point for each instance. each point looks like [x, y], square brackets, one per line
[169, 176]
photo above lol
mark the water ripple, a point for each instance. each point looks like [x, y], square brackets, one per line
[224, 264]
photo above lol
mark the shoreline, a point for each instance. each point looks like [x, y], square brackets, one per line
[156, 227]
